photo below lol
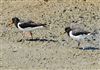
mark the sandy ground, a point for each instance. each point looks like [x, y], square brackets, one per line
[52, 50]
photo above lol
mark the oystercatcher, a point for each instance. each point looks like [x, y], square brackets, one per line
[77, 34]
[26, 27]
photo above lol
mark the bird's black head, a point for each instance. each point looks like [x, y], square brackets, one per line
[15, 20]
[68, 29]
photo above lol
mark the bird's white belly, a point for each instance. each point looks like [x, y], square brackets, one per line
[79, 37]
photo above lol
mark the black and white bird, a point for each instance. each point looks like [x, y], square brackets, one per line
[77, 34]
[26, 27]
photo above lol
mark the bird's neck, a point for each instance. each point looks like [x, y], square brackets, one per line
[16, 24]
[68, 33]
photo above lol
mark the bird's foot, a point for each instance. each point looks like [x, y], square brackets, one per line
[20, 40]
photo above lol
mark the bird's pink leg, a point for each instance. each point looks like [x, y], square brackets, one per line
[28, 34]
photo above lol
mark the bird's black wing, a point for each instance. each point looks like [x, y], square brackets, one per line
[30, 24]
[80, 33]
[77, 32]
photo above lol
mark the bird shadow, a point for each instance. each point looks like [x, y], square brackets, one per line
[90, 48]
[41, 40]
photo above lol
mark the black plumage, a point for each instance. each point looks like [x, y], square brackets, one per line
[80, 33]
[30, 24]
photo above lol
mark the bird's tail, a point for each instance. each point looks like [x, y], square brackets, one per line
[94, 32]
[44, 25]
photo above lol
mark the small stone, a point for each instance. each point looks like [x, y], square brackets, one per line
[64, 10]
[20, 40]
[46, 0]
[14, 51]
[44, 58]
[84, 0]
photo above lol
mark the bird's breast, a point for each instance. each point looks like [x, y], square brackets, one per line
[78, 37]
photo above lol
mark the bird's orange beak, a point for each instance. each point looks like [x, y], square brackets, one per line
[62, 33]
[10, 24]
